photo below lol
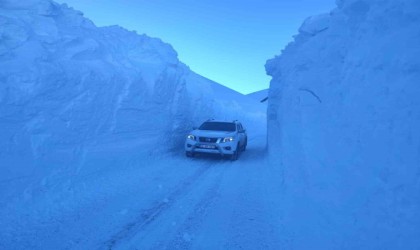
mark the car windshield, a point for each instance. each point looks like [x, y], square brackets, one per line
[218, 126]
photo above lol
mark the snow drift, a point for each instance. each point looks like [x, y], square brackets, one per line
[76, 98]
[343, 123]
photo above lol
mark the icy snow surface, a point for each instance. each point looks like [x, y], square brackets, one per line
[344, 126]
[92, 125]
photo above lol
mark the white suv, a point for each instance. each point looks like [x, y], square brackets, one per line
[217, 137]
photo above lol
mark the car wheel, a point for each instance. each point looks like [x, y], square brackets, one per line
[235, 154]
[245, 144]
[189, 154]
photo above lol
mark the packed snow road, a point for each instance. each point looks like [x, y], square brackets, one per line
[168, 202]
[221, 205]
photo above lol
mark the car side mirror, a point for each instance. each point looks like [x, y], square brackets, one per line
[194, 128]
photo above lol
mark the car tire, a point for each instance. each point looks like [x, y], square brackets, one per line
[235, 154]
[189, 154]
[245, 144]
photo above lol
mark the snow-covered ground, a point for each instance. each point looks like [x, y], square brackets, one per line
[343, 124]
[92, 123]
[155, 202]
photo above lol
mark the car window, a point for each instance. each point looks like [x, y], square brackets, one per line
[218, 126]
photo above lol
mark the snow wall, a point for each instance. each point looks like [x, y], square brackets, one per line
[344, 125]
[76, 99]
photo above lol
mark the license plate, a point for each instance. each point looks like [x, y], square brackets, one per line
[207, 146]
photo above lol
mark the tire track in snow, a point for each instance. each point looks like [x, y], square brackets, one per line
[149, 215]
[185, 233]
[194, 217]
[254, 223]
[191, 233]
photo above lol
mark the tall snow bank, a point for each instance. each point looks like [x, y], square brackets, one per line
[343, 124]
[73, 94]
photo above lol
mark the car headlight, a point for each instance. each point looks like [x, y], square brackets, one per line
[191, 137]
[228, 139]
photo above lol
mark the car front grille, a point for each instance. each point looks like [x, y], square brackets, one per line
[208, 139]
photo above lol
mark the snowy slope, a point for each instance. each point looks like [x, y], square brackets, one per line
[343, 124]
[76, 99]
[259, 95]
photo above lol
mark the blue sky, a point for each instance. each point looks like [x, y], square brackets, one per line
[227, 41]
